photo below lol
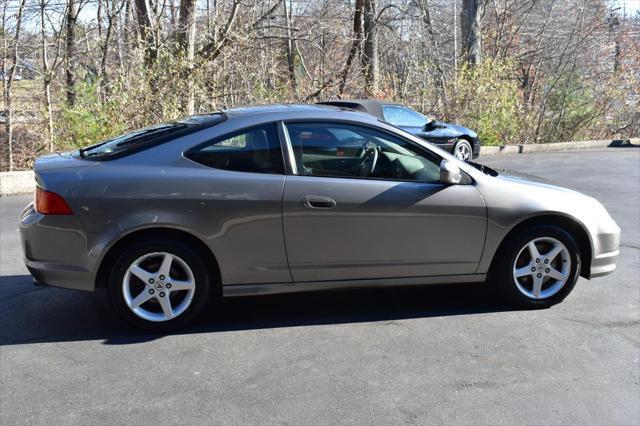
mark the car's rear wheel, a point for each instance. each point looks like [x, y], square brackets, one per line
[462, 150]
[537, 268]
[159, 285]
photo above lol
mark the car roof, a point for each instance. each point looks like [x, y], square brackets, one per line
[363, 102]
[297, 111]
[372, 106]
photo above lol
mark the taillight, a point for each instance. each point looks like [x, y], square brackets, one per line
[48, 202]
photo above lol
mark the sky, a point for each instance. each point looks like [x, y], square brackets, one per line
[630, 6]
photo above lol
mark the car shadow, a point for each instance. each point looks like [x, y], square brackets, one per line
[43, 314]
[622, 143]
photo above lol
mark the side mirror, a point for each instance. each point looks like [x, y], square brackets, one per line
[450, 173]
[429, 126]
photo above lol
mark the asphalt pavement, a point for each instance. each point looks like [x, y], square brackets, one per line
[431, 355]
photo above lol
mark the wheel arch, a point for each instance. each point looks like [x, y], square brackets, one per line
[109, 259]
[467, 138]
[570, 225]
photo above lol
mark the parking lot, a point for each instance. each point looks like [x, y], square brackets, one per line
[451, 354]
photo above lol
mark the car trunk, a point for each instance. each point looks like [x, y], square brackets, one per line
[55, 163]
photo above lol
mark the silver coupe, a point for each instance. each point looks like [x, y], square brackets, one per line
[287, 198]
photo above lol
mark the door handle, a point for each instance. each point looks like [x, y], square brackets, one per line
[318, 202]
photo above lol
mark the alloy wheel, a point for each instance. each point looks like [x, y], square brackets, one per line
[542, 267]
[463, 152]
[158, 286]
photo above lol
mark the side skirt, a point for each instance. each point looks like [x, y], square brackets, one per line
[276, 288]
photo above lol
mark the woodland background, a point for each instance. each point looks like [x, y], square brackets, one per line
[75, 72]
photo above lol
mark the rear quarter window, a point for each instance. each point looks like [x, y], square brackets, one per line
[252, 150]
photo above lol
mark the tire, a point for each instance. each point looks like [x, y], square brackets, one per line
[139, 293]
[516, 271]
[462, 150]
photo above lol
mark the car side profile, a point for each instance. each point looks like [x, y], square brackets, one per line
[288, 198]
[463, 143]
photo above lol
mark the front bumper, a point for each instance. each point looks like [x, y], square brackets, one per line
[604, 264]
[606, 245]
[476, 149]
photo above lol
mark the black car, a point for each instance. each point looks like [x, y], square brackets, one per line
[459, 141]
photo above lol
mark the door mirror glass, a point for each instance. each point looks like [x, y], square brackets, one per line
[450, 173]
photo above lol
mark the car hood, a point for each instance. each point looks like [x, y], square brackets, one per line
[461, 129]
[528, 179]
[514, 196]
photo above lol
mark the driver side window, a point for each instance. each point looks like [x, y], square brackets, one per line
[351, 151]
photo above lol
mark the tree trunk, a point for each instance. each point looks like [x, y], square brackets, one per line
[291, 68]
[112, 12]
[186, 36]
[46, 80]
[71, 52]
[370, 51]
[119, 37]
[434, 52]
[145, 29]
[9, 83]
[355, 45]
[471, 32]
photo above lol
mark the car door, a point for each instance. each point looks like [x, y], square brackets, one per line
[239, 208]
[344, 220]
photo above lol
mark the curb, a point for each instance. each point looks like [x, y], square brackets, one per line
[556, 146]
[12, 183]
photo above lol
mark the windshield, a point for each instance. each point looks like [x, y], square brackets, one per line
[403, 116]
[149, 136]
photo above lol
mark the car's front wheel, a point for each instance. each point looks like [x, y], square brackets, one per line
[462, 150]
[159, 285]
[537, 268]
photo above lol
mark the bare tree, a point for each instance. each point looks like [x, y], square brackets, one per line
[370, 50]
[355, 44]
[71, 51]
[289, 44]
[9, 82]
[186, 36]
[434, 51]
[113, 8]
[48, 69]
[540, 69]
[146, 31]
[471, 31]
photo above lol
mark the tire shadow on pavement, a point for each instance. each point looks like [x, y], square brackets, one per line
[33, 314]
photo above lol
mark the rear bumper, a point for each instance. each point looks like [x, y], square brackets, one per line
[59, 275]
[55, 252]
